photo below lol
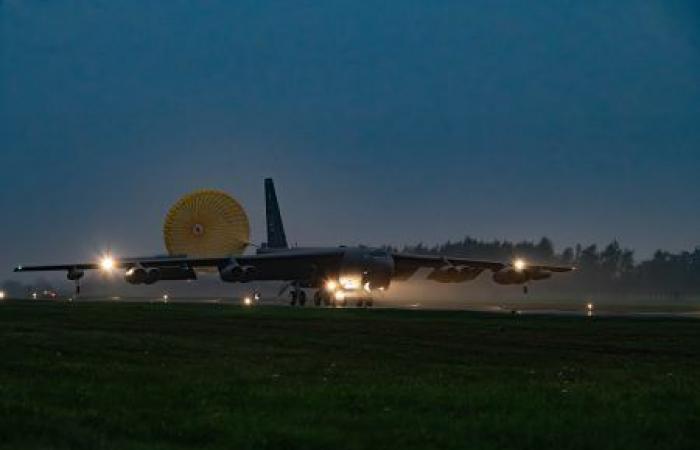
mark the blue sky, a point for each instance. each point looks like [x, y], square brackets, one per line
[382, 122]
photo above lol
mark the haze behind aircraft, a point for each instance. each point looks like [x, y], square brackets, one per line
[336, 274]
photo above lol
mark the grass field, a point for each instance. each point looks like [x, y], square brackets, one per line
[165, 376]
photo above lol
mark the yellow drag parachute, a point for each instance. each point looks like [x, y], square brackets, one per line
[206, 224]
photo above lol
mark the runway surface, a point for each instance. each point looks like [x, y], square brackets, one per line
[571, 309]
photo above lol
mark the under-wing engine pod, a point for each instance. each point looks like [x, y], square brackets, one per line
[451, 274]
[234, 272]
[75, 274]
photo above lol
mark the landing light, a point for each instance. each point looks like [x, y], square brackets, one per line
[165, 298]
[340, 296]
[349, 284]
[107, 263]
[519, 264]
[590, 306]
[247, 301]
[331, 285]
[2, 295]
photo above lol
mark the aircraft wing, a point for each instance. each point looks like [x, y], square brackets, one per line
[128, 263]
[406, 265]
[408, 260]
[290, 265]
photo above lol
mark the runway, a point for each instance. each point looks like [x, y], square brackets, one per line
[565, 309]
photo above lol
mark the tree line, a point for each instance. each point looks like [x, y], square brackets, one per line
[611, 268]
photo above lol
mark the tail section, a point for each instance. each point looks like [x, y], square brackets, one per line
[275, 228]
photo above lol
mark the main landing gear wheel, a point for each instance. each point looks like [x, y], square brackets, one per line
[299, 298]
[366, 302]
[323, 298]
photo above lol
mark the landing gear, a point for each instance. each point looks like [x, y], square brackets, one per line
[297, 296]
[367, 302]
[323, 298]
[326, 298]
[526, 289]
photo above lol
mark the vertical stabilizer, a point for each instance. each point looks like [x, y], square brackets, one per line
[275, 228]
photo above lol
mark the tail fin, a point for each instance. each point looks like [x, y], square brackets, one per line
[275, 228]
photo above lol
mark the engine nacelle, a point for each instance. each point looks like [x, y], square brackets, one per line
[452, 274]
[511, 276]
[537, 275]
[139, 275]
[468, 274]
[152, 276]
[234, 272]
[136, 275]
[444, 275]
[75, 274]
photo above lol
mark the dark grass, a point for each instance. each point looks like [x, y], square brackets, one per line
[155, 376]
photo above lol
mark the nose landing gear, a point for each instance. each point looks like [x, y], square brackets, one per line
[325, 298]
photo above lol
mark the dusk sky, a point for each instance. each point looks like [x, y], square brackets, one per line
[382, 122]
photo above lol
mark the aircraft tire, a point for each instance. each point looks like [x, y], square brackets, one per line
[302, 298]
[317, 298]
[293, 296]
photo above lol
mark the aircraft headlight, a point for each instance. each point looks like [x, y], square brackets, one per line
[247, 301]
[107, 263]
[519, 264]
[331, 285]
[350, 284]
[2, 295]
